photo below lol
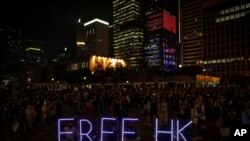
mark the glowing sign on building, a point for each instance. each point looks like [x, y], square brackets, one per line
[96, 20]
[102, 63]
[169, 22]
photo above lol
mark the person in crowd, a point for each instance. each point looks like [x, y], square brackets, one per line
[147, 112]
[30, 114]
[163, 112]
[222, 105]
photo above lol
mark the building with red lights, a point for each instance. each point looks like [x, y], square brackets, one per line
[160, 36]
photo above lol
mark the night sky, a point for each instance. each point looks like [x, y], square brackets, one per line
[52, 21]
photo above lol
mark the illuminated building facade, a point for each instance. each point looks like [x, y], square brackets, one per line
[10, 53]
[102, 63]
[191, 32]
[128, 31]
[226, 35]
[97, 37]
[160, 36]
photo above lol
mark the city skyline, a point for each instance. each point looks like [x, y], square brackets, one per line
[52, 22]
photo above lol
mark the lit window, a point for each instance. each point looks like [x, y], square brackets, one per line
[237, 8]
[243, 6]
[222, 12]
[222, 19]
[248, 5]
[242, 14]
[231, 9]
[237, 15]
[226, 11]
[226, 18]
[231, 17]
[217, 20]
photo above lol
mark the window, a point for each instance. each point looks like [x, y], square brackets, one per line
[242, 14]
[231, 17]
[237, 15]
[217, 21]
[226, 18]
[237, 8]
[243, 6]
[248, 5]
[226, 11]
[222, 19]
[222, 12]
[232, 9]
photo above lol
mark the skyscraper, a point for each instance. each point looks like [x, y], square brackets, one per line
[226, 35]
[191, 32]
[160, 36]
[97, 37]
[128, 31]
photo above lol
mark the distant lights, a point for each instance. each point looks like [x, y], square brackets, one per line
[96, 20]
[80, 43]
[32, 48]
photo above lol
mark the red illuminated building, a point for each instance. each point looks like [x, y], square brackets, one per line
[160, 36]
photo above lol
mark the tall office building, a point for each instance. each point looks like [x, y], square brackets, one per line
[128, 31]
[9, 53]
[160, 36]
[226, 35]
[191, 32]
[97, 37]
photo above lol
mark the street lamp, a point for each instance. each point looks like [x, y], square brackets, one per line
[180, 66]
[84, 78]
[204, 70]
[52, 79]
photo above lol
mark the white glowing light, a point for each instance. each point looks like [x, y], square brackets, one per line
[85, 134]
[123, 124]
[164, 132]
[96, 20]
[59, 127]
[102, 130]
[179, 131]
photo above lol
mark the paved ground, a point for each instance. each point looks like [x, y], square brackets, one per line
[146, 133]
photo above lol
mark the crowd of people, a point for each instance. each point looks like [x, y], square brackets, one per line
[24, 111]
